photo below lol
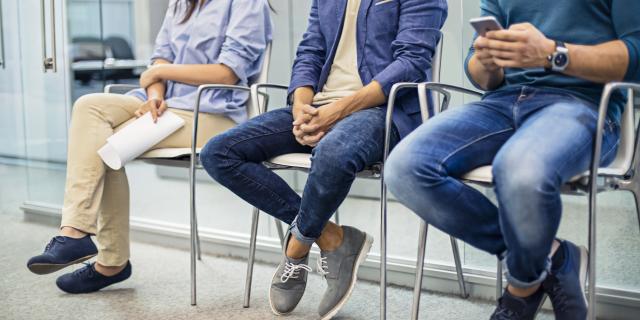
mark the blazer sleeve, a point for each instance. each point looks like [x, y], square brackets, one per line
[310, 56]
[413, 48]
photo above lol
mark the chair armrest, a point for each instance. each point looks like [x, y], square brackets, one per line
[255, 91]
[446, 90]
[119, 88]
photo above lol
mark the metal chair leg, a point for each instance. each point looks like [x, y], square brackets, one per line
[193, 229]
[336, 217]
[280, 231]
[499, 281]
[417, 286]
[198, 246]
[458, 263]
[592, 259]
[383, 250]
[252, 255]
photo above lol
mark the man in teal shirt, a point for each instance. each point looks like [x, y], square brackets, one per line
[544, 75]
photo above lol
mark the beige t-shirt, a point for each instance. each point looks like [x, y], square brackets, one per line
[344, 78]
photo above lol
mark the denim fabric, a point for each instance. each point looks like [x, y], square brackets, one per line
[535, 139]
[396, 41]
[234, 159]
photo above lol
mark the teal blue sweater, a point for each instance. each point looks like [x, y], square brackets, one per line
[584, 22]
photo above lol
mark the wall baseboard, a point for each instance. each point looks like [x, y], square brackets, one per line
[612, 303]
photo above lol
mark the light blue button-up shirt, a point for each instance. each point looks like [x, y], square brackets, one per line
[231, 32]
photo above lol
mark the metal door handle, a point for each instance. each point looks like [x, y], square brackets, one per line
[48, 63]
[2, 57]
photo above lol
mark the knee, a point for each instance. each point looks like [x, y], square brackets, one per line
[523, 176]
[214, 156]
[88, 102]
[332, 157]
[406, 169]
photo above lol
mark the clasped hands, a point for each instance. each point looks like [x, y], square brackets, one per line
[311, 124]
[521, 46]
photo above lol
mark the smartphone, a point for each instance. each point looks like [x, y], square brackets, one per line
[485, 24]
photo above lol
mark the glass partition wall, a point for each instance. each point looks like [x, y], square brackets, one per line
[98, 42]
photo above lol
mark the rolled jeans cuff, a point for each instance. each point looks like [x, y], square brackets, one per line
[524, 284]
[295, 231]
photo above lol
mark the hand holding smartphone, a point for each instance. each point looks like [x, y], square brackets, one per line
[485, 24]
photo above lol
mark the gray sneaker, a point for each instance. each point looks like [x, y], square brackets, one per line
[288, 283]
[340, 269]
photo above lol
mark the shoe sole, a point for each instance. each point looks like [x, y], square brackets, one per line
[362, 256]
[584, 270]
[46, 268]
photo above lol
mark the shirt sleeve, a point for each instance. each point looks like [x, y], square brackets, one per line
[248, 32]
[310, 55]
[624, 14]
[415, 43]
[163, 49]
[487, 8]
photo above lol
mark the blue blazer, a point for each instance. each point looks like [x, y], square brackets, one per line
[396, 40]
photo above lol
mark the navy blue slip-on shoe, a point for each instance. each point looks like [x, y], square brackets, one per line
[566, 282]
[87, 279]
[511, 307]
[62, 252]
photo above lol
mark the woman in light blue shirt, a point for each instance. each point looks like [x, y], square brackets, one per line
[201, 41]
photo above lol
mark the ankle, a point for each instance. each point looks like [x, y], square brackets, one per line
[296, 249]
[331, 237]
[72, 233]
[108, 271]
[522, 292]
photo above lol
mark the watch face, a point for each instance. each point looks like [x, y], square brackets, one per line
[560, 60]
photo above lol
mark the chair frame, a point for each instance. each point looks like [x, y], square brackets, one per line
[589, 186]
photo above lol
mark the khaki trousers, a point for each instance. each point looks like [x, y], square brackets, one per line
[96, 198]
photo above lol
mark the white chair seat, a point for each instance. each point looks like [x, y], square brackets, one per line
[167, 153]
[484, 174]
[297, 160]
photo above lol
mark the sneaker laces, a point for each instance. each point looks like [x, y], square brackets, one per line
[55, 239]
[292, 271]
[323, 266]
[86, 270]
[557, 294]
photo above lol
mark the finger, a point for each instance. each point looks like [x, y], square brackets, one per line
[504, 45]
[307, 109]
[309, 128]
[154, 113]
[506, 35]
[163, 107]
[506, 63]
[480, 43]
[507, 55]
[297, 132]
[138, 113]
[521, 26]
[314, 138]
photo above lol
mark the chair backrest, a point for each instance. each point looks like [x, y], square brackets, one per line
[624, 156]
[262, 77]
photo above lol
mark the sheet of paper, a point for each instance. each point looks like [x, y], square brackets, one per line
[138, 137]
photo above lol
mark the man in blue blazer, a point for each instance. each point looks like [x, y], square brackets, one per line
[350, 56]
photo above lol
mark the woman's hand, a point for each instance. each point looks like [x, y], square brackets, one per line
[150, 76]
[155, 106]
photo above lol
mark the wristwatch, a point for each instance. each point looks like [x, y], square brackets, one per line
[560, 58]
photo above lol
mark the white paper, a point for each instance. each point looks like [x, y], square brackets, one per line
[138, 137]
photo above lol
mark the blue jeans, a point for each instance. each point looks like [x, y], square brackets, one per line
[536, 140]
[234, 159]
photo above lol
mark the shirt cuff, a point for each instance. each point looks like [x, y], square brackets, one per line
[236, 63]
[633, 70]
